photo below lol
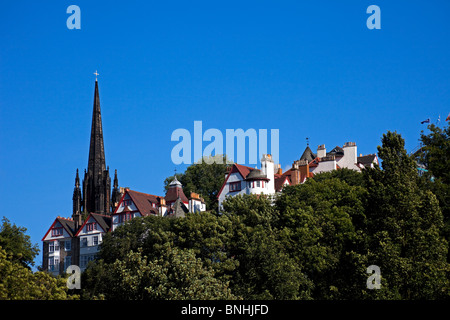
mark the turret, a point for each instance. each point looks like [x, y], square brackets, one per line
[268, 169]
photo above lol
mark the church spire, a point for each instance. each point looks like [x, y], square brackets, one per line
[97, 182]
[96, 162]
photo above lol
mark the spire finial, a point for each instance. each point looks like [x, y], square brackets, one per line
[96, 74]
[307, 141]
[77, 180]
[116, 180]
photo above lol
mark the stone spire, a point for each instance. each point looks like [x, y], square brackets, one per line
[77, 195]
[97, 182]
[96, 162]
[116, 195]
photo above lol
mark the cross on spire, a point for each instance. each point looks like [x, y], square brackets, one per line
[96, 74]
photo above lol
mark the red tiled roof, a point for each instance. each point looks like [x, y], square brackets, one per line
[144, 201]
[174, 193]
[243, 170]
[279, 182]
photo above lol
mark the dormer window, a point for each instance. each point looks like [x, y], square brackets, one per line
[235, 186]
[91, 226]
[57, 232]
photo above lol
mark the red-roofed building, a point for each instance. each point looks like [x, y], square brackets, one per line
[246, 180]
[174, 204]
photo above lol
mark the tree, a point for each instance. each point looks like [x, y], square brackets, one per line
[17, 244]
[205, 178]
[349, 176]
[175, 275]
[266, 270]
[435, 155]
[322, 227]
[18, 282]
[404, 227]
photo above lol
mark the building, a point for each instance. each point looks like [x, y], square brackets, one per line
[98, 209]
[270, 179]
[173, 205]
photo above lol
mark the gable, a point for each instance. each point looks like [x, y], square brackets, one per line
[60, 229]
[135, 201]
[126, 204]
[95, 223]
[236, 173]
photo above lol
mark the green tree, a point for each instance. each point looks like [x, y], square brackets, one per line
[322, 226]
[436, 152]
[20, 283]
[349, 176]
[265, 270]
[435, 155]
[404, 227]
[17, 244]
[177, 274]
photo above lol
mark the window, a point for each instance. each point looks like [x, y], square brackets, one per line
[68, 245]
[83, 261]
[91, 226]
[258, 183]
[127, 202]
[235, 186]
[84, 242]
[56, 245]
[95, 240]
[125, 217]
[57, 232]
[51, 247]
[53, 264]
[67, 262]
[85, 258]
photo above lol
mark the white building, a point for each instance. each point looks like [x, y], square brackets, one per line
[270, 179]
[247, 180]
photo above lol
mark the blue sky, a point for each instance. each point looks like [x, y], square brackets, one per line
[308, 68]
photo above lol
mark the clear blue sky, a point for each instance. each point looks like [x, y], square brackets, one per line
[307, 68]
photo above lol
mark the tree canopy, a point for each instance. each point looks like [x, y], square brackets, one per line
[203, 177]
[17, 244]
[17, 280]
[312, 241]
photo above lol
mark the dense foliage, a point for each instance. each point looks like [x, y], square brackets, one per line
[314, 241]
[205, 178]
[17, 281]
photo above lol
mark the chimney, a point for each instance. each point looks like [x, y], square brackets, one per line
[304, 171]
[195, 195]
[350, 152]
[321, 151]
[295, 172]
[279, 170]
